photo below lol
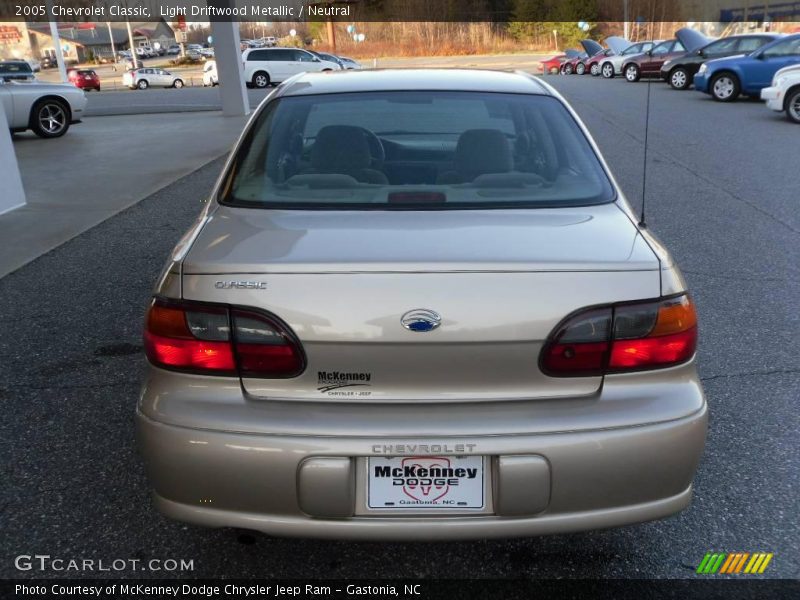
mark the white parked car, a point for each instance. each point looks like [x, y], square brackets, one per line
[784, 93]
[142, 79]
[266, 66]
[210, 78]
[47, 109]
[207, 52]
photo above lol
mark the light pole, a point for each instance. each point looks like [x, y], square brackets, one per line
[62, 69]
[113, 46]
[134, 56]
[131, 49]
[625, 26]
[555, 38]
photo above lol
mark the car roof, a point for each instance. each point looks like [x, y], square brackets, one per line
[273, 48]
[377, 80]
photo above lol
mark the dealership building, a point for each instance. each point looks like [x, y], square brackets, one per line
[80, 42]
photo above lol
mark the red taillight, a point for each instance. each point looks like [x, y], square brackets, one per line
[629, 337]
[189, 354]
[198, 338]
[653, 352]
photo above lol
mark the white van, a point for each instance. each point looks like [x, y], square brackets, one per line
[266, 66]
[210, 74]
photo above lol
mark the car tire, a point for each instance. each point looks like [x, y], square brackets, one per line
[607, 70]
[594, 70]
[679, 78]
[632, 73]
[50, 118]
[142, 84]
[178, 84]
[554, 70]
[792, 104]
[580, 69]
[260, 80]
[567, 69]
[725, 87]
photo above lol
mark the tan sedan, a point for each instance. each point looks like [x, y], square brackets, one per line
[418, 306]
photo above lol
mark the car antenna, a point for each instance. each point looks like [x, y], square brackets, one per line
[642, 222]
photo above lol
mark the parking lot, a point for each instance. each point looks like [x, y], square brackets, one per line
[722, 194]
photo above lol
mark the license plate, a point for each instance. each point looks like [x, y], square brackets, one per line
[425, 482]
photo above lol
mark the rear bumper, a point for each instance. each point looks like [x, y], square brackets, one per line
[425, 529]
[773, 97]
[590, 480]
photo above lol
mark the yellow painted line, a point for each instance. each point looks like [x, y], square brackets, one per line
[765, 563]
[756, 566]
[727, 564]
[749, 566]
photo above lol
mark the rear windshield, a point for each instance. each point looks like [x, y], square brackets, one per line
[415, 150]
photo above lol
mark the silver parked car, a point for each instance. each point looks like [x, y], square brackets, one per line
[441, 325]
[144, 78]
[47, 109]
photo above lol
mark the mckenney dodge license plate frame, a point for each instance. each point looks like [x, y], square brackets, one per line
[438, 483]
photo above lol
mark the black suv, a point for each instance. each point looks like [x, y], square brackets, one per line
[680, 71]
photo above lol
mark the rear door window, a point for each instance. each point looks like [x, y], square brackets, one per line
[721, 47]
[748, 45]
[259, 55]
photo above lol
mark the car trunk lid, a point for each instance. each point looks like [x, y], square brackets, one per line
[501, 280]
[591, 47]
[617, 44]
[691, 39]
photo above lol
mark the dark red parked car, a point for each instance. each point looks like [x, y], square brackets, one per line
[592, 50]
[573, 58]
[649, 64]
[593, 64]
[86, 79]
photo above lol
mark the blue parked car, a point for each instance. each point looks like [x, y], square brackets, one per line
[726, 78]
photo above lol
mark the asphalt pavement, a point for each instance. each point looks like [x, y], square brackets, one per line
[122, 159]
[721, 193]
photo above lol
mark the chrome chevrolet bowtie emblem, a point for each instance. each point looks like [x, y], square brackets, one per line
[421, 320]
